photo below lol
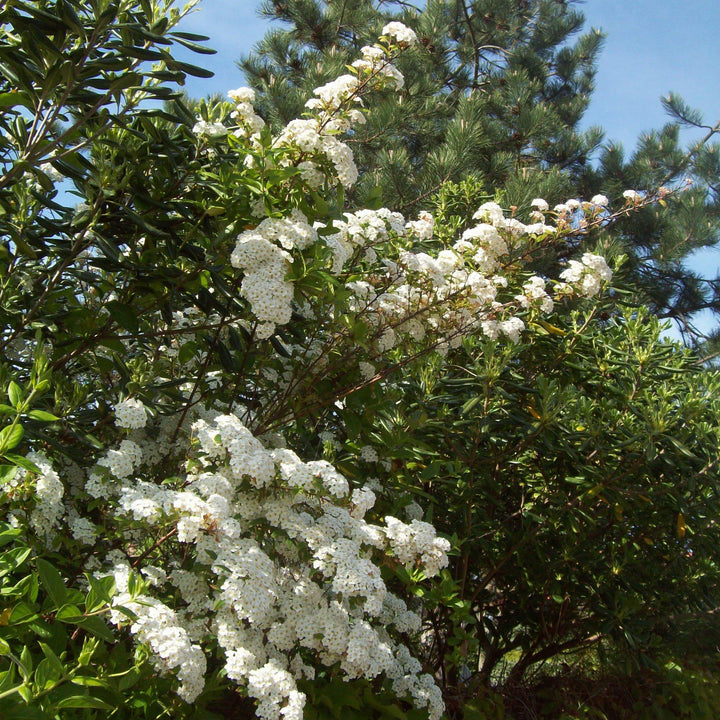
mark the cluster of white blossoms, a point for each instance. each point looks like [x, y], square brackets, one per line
[130, 413]
[400, 33]
[412, 294]
[585, 278]
[534, 293]
[262, 254]
[374, 62]
[161, 630]
[633, 196]
[248, 122]
[444, 296]
[209, 129]
[313, 141]
[285, 567]
[48, 492]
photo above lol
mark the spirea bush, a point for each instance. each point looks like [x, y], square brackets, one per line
[184, 296]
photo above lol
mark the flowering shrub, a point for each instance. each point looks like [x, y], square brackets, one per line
[208, 303]
[285, 567]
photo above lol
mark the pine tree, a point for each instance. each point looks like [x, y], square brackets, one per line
[663, 236]
[496, 92]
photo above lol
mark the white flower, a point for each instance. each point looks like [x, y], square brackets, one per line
[512, 328]
[242, 95]
[402, 34]
[600, 200]
[51, 172]
[540, 204]
[585, 277]
[207, 129]
[368, 454]
[130, 413]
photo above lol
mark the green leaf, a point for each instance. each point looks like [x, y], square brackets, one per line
[84, 701]
[23, 462]
[8, 534]
[27, 661]
[42, 416]
[123, 315]
[14, 394]
[469, 405]
[189, 69]
[14, 559]
[52, 658]
[46, 675]
[10, 436]
[13, 98]
[71, 614]
[88, 681]
[97, 627]
[7, 473]
[102, 588]
[52, 582]
[22, 613]
[201, 49]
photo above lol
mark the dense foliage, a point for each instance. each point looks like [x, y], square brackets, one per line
[497, 90]
[266, 452]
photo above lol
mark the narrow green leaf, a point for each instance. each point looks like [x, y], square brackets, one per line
[23, 462]
[52, 582]
[42, 415]
[84, 701]
[88, 681]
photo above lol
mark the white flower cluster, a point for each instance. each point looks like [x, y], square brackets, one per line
[361, 230]
[335, 110]
[402, 34]
[49, 170]
[314, 591]
[633, 196]
[443, 296]
[534, 294]
[373, 63]
[586, 277]
[248, 122]
[209, 129]
[262, 254]
[158, 627]
[48, 493]
[130, 413]
[311, 137]
[423, 227]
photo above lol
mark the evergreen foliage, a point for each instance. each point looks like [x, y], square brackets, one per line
[497, 91]
[188, 298]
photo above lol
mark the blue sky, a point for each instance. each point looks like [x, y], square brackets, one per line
[652, 47]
